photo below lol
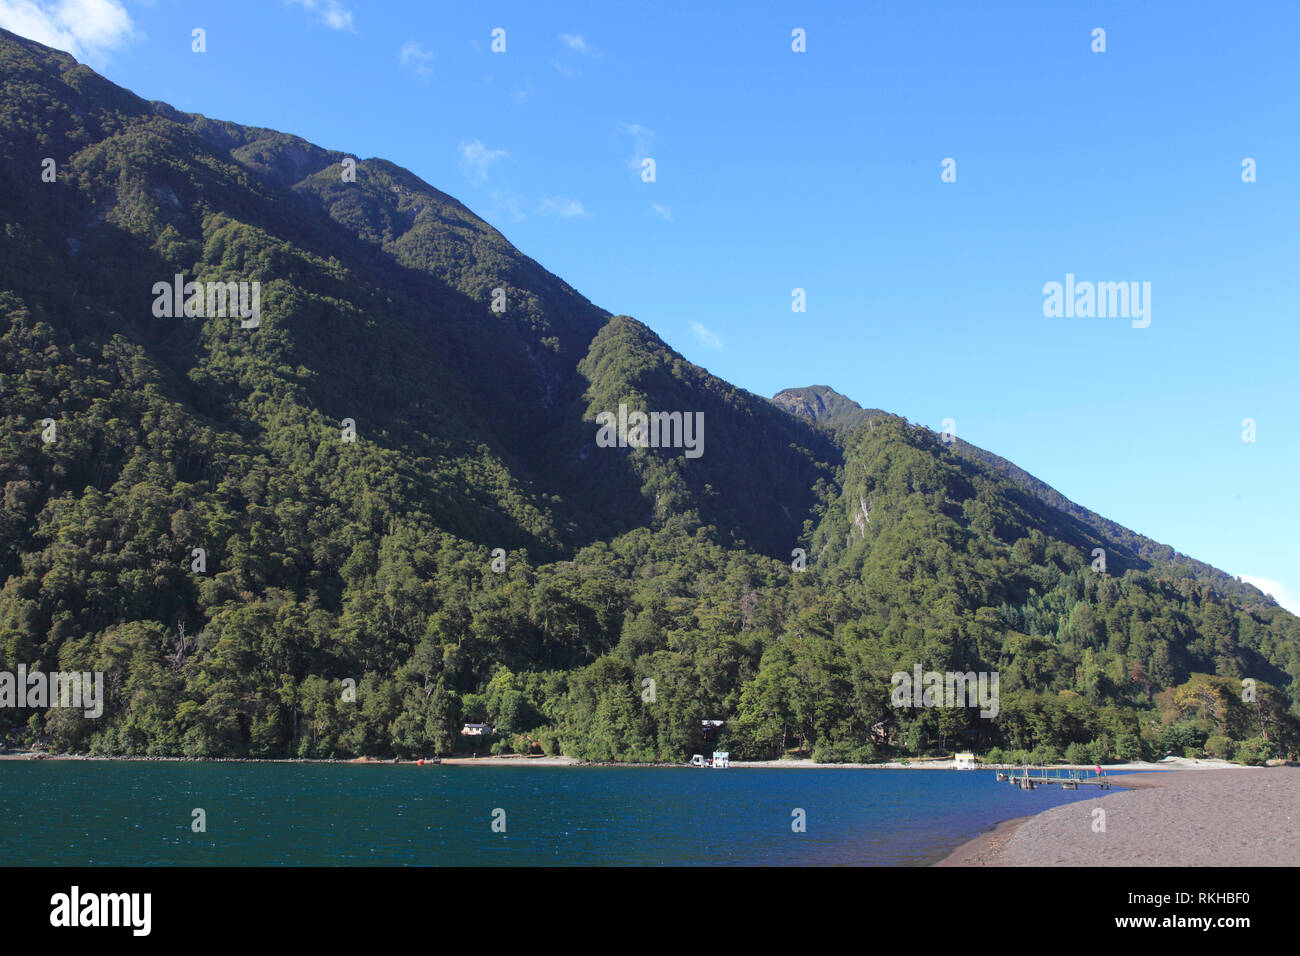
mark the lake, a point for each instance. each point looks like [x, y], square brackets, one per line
[292, 814]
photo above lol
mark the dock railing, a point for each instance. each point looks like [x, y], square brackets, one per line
[1067, 779]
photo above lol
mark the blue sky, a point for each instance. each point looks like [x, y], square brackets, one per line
[820, 170]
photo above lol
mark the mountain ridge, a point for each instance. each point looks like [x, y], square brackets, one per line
[392, 482]
[821, 403]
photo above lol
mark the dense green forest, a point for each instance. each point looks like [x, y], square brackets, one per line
[406, 524]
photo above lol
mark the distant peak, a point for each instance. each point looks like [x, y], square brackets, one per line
[821, 403]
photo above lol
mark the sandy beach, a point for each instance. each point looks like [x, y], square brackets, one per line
[1243, 816]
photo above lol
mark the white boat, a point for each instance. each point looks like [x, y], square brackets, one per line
[721, 760]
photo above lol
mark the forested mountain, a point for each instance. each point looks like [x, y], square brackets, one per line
[417, 394]
[827, 406]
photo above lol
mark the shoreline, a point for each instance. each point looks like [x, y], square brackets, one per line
[938, 763]
[498, 760]
[983, 849]
[1238, 816]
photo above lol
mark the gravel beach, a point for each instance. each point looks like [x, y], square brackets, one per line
[1246, 816]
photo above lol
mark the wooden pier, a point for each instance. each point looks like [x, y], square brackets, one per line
[1071, 780]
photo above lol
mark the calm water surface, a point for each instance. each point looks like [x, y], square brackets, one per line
[128, 813]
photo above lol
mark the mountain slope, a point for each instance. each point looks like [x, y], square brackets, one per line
[1076, 523]
[391, 487]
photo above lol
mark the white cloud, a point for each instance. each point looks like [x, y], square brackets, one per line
[636, 130]
[563, 70]
[475, 158]
[525, 92]
[564, 208]
[576, 43]
[643, 140]
[707, 337]
[329, 12]
[1281, 593]
[88, 29]
[417, 58]
[663, 212]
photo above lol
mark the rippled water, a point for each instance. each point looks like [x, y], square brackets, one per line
[84, 812]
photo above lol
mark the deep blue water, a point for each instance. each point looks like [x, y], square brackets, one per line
[73, 812]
